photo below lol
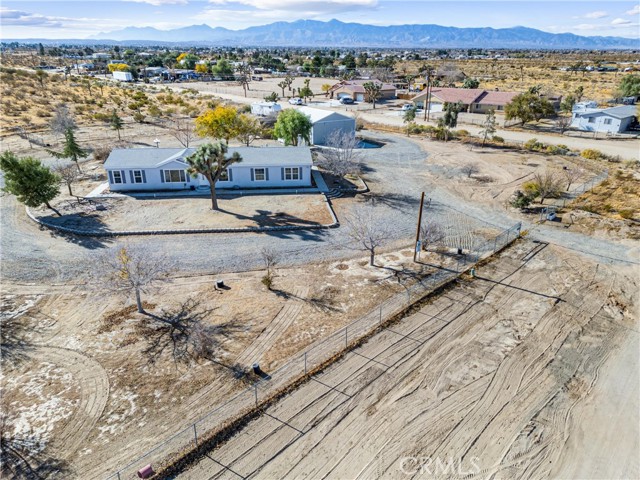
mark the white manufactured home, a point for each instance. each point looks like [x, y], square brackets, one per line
[156, 169]
[588, 118]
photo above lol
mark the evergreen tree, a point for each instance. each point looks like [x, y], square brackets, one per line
[71, 149]
[29, 180]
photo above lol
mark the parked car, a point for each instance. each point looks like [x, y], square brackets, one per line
[346, 100]
[407, 106]
[295, 101]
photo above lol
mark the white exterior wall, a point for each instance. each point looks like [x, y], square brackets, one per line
[240, 178]
[582, 123]
[321, 130]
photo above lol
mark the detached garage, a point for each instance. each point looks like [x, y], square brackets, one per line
[325, 122]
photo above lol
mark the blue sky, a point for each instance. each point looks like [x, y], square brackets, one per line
[82, 18]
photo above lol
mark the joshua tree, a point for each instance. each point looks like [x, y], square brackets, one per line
[211, 161]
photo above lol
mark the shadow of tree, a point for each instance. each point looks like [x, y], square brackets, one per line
[321, 302]
[14, 348]
[184, 333]
[88, 222]
[20, 458]
[397, 201]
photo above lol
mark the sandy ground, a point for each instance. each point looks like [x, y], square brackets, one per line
[91, 393]
[514, 374]
[192, 212]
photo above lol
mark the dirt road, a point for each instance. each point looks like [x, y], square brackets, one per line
[498, 376]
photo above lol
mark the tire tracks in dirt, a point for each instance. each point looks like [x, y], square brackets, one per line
[94, 394]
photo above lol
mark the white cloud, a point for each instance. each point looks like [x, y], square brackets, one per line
[598, 14]
[317, 5]
[620, 21]
[158, 3]
[19, 18]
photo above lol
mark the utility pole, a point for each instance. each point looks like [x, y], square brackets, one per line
[427, 100]
[415, 247]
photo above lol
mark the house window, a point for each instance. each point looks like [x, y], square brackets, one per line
[592, 119]
[224, 176]
[607, 121]
[117, 176]
[137, 176]
[291, 173]
[259, 174]
[174, 176]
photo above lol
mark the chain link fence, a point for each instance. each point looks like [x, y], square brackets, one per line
[315, 356]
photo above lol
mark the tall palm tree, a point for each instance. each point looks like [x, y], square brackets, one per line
[211, 161]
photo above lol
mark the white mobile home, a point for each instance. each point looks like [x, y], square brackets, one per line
[265, 109]
[325, 122]
[610, 120]
[155, 169]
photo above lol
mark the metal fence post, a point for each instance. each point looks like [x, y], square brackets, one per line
[255, 392]
[195, 434]
[118, 474]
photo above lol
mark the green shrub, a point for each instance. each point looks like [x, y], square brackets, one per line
[102, 117]
[626, 213]
[591, 154]
[497, 139]
[461, 133]
[533, 145]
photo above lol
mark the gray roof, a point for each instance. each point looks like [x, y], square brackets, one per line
[251, 156]
[621, 112]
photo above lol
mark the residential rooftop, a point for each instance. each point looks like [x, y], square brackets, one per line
[151, 157]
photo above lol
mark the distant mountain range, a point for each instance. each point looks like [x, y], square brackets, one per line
[334, 33]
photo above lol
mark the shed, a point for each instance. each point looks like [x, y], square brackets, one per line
[325, 122]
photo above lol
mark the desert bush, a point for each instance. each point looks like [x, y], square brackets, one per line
[533, 145]
[102, 117]
[101, 152]
[626, 213]
[607, 207]
[461, 133]
[591, 154]
[43, 113]
[138, 117]
[497, 139]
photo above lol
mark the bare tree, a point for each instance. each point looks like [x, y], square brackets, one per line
[563, 123]
[572, 175]
[366, 231]
[431, 233]
[544, 185]
[341, 157]
[270, 258]
[62, 120]
[469, 169]
[183, 130]
[68, 173]
[131, 270]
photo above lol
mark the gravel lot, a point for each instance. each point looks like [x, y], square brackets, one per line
[396, 174]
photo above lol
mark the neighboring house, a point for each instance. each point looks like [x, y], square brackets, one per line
[325, 122]
[355, 90]
[473, 100]
[610, 120]
[150, 169]
[264, 109]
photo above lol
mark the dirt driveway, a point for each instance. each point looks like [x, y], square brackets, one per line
[499, 376]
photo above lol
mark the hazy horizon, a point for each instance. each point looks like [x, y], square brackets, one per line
[74, 19]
